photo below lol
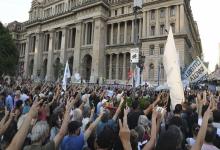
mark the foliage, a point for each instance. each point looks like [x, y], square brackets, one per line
[58, 70]
[8, 52]
[144, 103]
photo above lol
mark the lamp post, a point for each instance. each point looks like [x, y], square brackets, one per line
[137, 6]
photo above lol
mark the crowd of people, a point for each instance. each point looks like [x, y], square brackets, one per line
[42, 116]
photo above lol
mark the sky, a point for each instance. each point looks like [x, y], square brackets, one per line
[205, 13]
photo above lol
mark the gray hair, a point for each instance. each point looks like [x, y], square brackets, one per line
[143, 120]
[140, 130]
[39, 131]
[76, 115]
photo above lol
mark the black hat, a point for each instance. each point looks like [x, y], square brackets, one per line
[73, 126]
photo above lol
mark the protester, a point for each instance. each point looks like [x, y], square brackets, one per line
[43, 116]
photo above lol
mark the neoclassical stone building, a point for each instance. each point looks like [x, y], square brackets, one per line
[96, 36]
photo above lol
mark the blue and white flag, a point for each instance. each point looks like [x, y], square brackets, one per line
[196, 72]
[66, 76]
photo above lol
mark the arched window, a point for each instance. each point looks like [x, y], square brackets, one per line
[151, 71]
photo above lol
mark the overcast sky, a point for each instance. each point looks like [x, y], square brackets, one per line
[205, 13]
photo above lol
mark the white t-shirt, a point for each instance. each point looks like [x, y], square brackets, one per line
[209, 147]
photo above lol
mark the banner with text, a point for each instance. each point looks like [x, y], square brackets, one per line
[196, 72]
[134, 55]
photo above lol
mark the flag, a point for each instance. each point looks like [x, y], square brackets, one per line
[196, 72]
[172, 68]
[66, 76]
[137, 76]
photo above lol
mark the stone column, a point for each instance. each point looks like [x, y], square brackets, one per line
[112, 26]
[49, 76]
[110, 67]
[125, 33]
[97, 71]
[140, 20]
[63, 46]
[182, 19]
[77, 55]
[117, 66]
[124, 67]
[144, 27]
[167, 19]
[118, 34]
[26, 63]
[148, 24]
[37, 55]
[177, 19]
[132, 32]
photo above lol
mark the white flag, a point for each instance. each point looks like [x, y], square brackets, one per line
[137, 76]
[66, 76]
[172, 68]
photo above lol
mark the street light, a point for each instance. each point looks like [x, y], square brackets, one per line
[137, 6]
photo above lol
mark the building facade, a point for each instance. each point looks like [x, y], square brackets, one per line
[96, 36]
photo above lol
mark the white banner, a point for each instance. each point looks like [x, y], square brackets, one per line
[134, 55]
[137, 76]
[172, 68]
[66, 75]
[196, 72]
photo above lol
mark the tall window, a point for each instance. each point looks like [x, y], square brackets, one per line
[71, 37]
[89, 33]
[162, 29]
[151, 49]
[116, 12]
[161, 49]
[173, 27]
[162, 13]
[161, 71]
[122, 10]
[46, 44]
[109, 34]
[151, 72]
[152, 30]
[172, 11]
[58, 40]
[152, 14]
[33, 43]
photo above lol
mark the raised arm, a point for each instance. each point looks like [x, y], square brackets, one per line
[202, 131]
[118, 109]
[149, 109]
[19, 138]
[57, 139]
[92, 127]
[151, 144]
[124, 132]
[5, 117]
[5, 126]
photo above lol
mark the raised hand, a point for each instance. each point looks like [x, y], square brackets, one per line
[70, 103]
[124, 132]
[35, 108]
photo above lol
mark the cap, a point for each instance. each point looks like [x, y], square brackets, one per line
[41, 95]
[104, 101]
